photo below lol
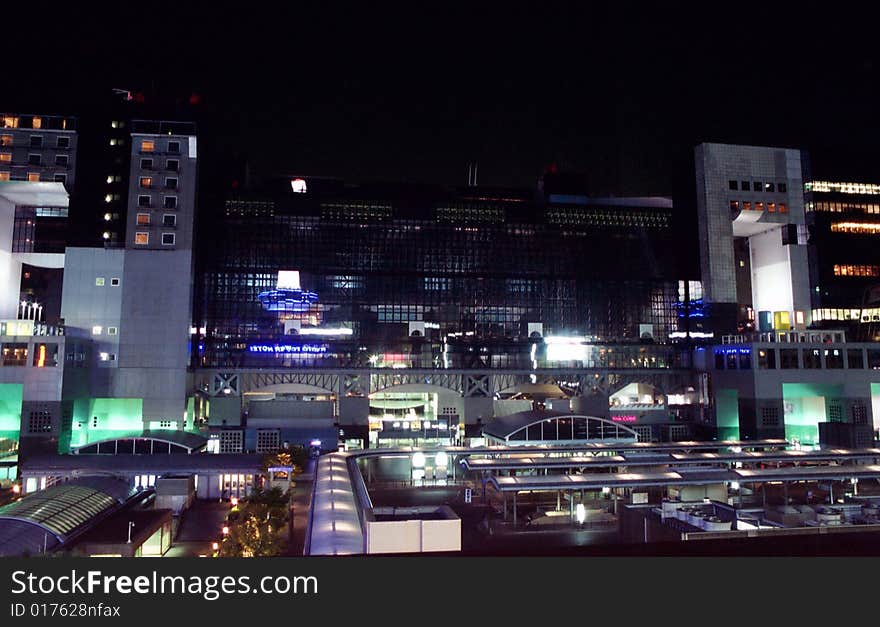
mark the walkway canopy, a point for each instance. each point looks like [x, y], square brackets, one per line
[539, 427]
[45, 520]
[155, 442]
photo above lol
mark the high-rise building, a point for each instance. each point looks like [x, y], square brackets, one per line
[753, 236]
[38, 148]
[844, 223]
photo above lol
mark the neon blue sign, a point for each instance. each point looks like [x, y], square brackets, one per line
[288, 349]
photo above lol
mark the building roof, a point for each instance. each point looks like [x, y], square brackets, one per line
[505, 426]
[334, 520]
[42, 194]
[114, 529]
[138, 464]
[184, 439]
[46, 519]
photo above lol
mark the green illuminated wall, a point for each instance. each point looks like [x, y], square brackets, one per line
[10, 410]
[805, 405]
[727, 414]
[190, 422]
[116, 417]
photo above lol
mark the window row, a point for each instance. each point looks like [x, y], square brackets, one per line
[34, 177]
[856, 228]
[770, 207]
[99, 281]
[150, 145]
[147, 182]
[146, 201]
[44, 355]
[168, 219]
[37, 159]
[99, 330]
[844, 207]
[871, 314]
[142, 238]
[36, 141]
[856, 270]
[170, 164]
[796, 358]
[757, 186]
[34, 122]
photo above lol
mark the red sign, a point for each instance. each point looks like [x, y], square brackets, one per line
[626, 418]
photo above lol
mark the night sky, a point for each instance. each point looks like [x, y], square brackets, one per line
[620, 95]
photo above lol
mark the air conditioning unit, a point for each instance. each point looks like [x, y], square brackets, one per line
[292, 327]
[535, 329]
[417, 329]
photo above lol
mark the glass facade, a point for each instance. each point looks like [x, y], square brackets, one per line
[437, 278]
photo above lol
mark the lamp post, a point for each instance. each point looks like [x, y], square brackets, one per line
[130, 527]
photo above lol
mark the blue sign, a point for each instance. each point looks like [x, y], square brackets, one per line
[290, 349]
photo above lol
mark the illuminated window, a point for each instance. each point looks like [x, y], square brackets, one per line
[768, 187]
[856, 270]
[146, 181]
[5, 140]
[771, 207]
[747, 206]
[97, 330]
[4, 176]
[34, 177]
[783, 208]
[99, 281]
[147, 145]
[759, 206]
[857, 228]
[143, 219]
[734, 205]
[10, 121]
[168, 239]
[141, 238]
[5, 157]
[37, 122]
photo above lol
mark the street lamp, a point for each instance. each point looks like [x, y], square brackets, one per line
[130, 527]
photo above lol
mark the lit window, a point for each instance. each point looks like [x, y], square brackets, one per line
[34, 177]
[104, 356]
[147, 145]
[168, 239]
[783, 208]
[5, 140]
[146, 181]
[4, 176]
[96, 330]
[141, 238]
[10, 121]
[771, 207]
[298, 186]
[99, 281]
[37, 122]
[143, 219]
[5, 157]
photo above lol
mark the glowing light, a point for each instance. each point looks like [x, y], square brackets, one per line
[298, 186]
[418, 460]
[16, 489]
[581, 513]
[313, 349]
[441, 459]
[41, 356]
[225, 531]
[869, 189]
[325, 332]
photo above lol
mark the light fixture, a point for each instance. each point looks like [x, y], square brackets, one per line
[418, 460]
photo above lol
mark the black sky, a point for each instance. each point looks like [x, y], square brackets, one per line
[621, 94]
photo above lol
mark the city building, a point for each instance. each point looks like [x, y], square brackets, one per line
[844, 221]
[409, 313]
[38, 148]
[753, 238]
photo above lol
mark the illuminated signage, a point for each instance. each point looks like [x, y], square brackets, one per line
[626, 418]
[288, 349]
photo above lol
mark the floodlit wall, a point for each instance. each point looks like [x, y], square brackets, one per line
[10, 410]
[413, 536]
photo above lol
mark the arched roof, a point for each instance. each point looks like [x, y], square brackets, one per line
[192, 442]
[505, 426]
[46, 519]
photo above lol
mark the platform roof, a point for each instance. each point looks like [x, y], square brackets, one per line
[43, 520]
